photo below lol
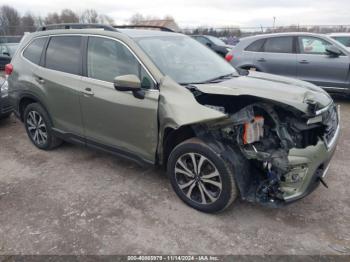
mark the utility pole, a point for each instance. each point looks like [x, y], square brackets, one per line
[274, 23]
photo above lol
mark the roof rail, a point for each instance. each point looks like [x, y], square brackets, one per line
[75, 26]
[162, 28]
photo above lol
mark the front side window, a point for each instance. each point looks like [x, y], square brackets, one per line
[108, 59]
[279, 45]
[34, 50]
[313, 45]
[64, 54]
[184, 59]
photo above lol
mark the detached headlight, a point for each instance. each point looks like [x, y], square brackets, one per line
[4, 90]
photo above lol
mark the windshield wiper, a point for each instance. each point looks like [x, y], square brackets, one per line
[212, 80]
[228, 76]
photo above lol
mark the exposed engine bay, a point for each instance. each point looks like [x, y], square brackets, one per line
[264, 132]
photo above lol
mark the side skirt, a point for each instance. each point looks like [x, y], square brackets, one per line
[75, 139]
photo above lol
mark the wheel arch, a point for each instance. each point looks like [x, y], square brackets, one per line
[26, 99]
[171, 138]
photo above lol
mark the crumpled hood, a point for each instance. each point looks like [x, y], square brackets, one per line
[286, 90]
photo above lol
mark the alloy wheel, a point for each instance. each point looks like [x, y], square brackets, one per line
[198, 178]
[37, 128]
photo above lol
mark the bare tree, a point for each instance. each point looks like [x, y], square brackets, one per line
[52, 18]
[69, 16]
[105, 19]
[89, 16]
[136, 18]
[27, 23]
[9, 20]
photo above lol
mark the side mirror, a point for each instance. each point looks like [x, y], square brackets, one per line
[333, 51]
[129, 83]
[208, 44]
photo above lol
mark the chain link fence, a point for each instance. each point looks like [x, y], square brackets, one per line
[248, 31]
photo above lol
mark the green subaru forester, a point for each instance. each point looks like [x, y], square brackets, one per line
[164, 99]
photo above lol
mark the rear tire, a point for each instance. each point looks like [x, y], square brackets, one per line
[200, 177]
[39, 127]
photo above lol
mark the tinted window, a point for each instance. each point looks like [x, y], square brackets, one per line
[313, 45]
[108, 59]
[279, 45]
[34, 50]
[63, 54]
[256, 46]
[202, 40]
[216, 40]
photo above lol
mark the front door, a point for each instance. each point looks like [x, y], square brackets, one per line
[112, 118]
[316, 66]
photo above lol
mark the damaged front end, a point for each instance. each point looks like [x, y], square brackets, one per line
[279, 153]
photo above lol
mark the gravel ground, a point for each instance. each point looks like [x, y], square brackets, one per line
[79, 201]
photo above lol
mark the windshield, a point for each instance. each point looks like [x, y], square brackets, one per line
[345, 40]
[215, 40]
[184, 59]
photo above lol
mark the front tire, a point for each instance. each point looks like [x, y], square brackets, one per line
[39, 128]
[200, 177]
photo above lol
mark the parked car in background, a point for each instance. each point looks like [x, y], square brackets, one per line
[343, 38]
[7, 50]
[214, 43]
[219, 134]
[5, 105]
[315, 58]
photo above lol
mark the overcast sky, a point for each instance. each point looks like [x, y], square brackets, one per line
[217, 13]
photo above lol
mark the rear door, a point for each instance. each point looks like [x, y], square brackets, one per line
[316, 66]
[278, 56]
[114, 119]
[60, 79]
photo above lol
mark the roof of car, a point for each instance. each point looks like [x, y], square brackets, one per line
[132, 33]
[281, 34]
[135, 33]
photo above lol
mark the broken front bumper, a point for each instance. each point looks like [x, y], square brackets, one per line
[307, 166]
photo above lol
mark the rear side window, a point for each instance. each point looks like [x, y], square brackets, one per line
[279, 45]
[64, 54]
[256, 46]
[202, 40]
[34, 50]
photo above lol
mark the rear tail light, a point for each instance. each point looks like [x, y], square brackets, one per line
[229, 57]
[8, 69]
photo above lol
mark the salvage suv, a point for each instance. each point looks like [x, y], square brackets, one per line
[162, 98]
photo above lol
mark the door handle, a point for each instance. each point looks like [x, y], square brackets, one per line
[88, 91]
[262, 60]
[304, 62]
[40, 80]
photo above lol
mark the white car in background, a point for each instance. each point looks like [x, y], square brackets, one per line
[343, 38]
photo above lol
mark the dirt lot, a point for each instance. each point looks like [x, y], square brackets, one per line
[78, 201]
